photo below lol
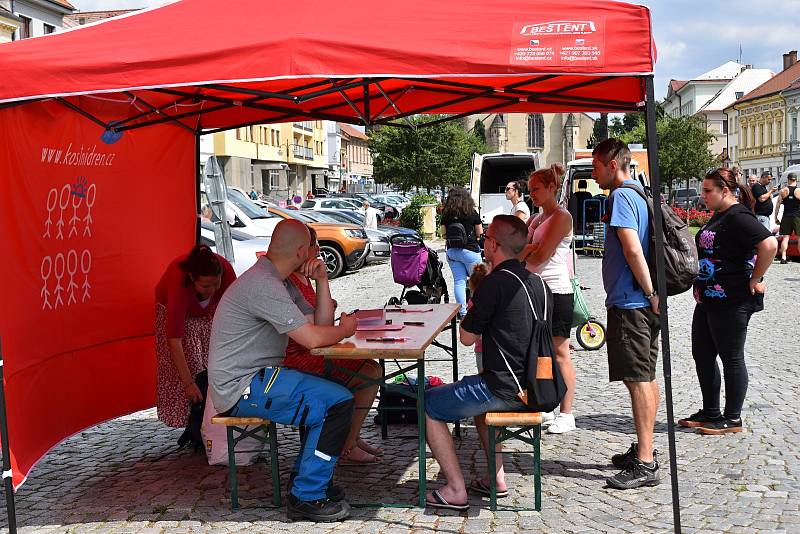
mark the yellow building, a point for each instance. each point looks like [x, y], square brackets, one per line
[760, 122]
[276, 160]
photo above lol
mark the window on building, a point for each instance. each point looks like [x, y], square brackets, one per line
[82, 20]
[49, 28]
[739, 94]
[273, 178]
[278, 136]
[239, 134]
[793, 132]
[724, 126]
[535, 130]
[24, 27]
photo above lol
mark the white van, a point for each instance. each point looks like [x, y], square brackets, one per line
[490, 175]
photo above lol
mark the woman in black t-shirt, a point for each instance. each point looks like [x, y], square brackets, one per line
[735, 251]
[462, 229]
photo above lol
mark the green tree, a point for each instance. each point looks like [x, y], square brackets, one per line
[424, 157]
[683, 149]
[479, 131]
[599, 131]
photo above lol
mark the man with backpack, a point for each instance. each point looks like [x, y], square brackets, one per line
[632, 304]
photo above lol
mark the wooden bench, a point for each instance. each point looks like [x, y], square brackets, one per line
[520, 422]
[264, 431]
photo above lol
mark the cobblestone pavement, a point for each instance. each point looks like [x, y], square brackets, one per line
[119, 477]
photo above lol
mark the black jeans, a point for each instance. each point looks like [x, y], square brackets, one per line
[721, 332]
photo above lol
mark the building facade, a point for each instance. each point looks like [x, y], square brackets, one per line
[792, 145]
[764, 123]
[38, 17]
[554, 136]
[356, 160]
[9, 23]
[80, 18]
[710, 95]
[276, 160]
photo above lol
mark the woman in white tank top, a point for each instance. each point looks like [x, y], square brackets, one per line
[548, 254]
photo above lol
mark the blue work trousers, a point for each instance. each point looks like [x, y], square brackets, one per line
[323, 408]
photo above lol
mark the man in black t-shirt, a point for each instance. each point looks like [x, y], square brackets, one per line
[500, 313]
[763, 196]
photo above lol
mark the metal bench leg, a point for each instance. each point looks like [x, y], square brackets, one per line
[454, 345]
[273, 457]
[232, 469]
[382, 414]
[537, 467]
[492, 461]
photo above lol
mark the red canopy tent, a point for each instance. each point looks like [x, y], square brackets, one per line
[97, 125]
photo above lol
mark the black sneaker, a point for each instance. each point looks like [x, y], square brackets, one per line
[320, 511]
[698, 419]
[721, 426]
[635, 475]
[621, 461]
[334, 493]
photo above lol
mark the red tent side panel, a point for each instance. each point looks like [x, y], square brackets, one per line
[88, 228]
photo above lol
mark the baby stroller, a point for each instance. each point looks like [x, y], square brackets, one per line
[414, 264]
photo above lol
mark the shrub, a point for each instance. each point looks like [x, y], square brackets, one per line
[411, 217]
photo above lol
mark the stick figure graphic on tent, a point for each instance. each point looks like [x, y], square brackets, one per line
[90, 197]
[52, 200]
[72, 269]
[63, 202]
[86, 266]
[59, 270]
[73, 222]
[46, 269]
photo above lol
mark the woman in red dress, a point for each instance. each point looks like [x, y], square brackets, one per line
[186, 299]
[356, 450]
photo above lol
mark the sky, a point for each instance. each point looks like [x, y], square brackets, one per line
[692, 36]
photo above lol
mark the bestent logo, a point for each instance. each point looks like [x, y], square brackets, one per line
[559, 27]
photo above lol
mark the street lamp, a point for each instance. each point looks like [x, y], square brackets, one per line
[790, 147]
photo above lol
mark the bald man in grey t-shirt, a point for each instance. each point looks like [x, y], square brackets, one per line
[252, 325]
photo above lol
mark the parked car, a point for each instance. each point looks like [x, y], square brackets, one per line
[379, 246]
[396, 202]
[682, 198]
[246, 248]
[331, 203]
[357, 218]
[387, 211]
[343, 247]
[244, 215]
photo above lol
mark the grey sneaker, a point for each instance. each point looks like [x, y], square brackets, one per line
[635, 475]
[621, 461]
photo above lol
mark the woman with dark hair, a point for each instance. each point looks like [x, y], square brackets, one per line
[735, 251]
[515, 194]
[186, 299]
[548, 255]
[356, 450]
[462, 229]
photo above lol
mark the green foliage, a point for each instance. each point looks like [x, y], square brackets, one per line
[426, 157]
[599, 131]
[411, 217]
[479, 131]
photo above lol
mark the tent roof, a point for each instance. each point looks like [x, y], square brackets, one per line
[259, 61]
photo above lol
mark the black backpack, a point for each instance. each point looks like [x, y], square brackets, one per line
[456, 235]
[681, 265]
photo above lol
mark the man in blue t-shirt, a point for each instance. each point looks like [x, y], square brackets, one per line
[632, 304]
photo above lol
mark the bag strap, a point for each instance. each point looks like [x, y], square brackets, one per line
[530, 301]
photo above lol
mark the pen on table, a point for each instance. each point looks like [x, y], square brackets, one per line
[381, 339]
[351, 313]
[414, 323]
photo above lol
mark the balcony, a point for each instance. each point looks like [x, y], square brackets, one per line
[305, 125]
[303, 152]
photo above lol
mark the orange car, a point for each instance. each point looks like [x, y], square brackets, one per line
[343, 247]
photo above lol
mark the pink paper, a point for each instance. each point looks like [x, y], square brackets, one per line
[378, 328]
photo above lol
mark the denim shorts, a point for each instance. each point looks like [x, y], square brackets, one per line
[468, 397]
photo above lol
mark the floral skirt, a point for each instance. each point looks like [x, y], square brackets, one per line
[171, 402]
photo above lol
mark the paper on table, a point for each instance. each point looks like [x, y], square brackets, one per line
[378, 328]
